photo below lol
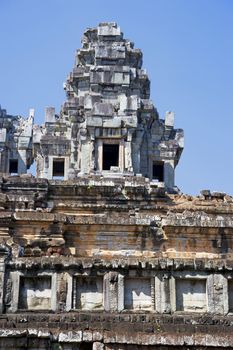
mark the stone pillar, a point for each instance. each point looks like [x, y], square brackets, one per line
[69, 294]
[97, 346]
[5, 253]
[2, 150]
[7, 160]
[4, 161]
[162, 293]
[61, 291]
[120, 293]
[2, 274]
[3, 256]
[128, 158]
[99, 155]
[22, 167]
[54, 289]
[86, 152]
[92, 164]
[39, 166]
[15, 278]
[172, 287]
[135, 158]
[169, 173]
[46, 167]
[217, 294]
[50, 168]
[66, 167]
[113, 292]
[121, 155]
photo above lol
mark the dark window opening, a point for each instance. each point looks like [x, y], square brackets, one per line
[13, 166]
[158, 171]
[86, 346]
[110, 156]
[58, 167]
[230, 295]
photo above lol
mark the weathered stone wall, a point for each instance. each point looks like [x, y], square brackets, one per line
[114, 331]
[160, 286]
[113, 263]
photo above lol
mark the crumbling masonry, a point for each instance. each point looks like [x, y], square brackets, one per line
[100, 250]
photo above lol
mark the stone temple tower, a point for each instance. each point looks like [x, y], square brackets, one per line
[108, 124]
[99, 251]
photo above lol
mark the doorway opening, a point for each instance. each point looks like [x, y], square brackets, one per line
[110, 156]
[13, 166]
[158, 171]
[58, 168]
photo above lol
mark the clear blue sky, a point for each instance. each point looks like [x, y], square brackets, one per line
[188, 53]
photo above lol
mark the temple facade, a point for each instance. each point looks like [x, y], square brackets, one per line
[100, 250]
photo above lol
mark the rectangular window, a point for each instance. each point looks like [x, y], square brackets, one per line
[137, 294]
[58, 168]
[88, 293]
[13, 166]
[191, 295]
[110, 156]
[35, 293]
[158, 171]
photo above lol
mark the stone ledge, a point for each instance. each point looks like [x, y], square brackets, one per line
[156, 264]
[137, 338]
